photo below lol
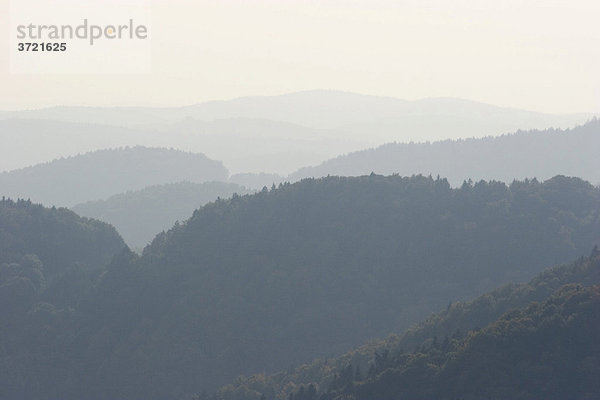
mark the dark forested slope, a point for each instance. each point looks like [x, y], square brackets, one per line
[100, 174]
[544, 351]
[48, 259]
[258, 282]
[531, 154]
[58, 237]
[375, 365]
[140, 215]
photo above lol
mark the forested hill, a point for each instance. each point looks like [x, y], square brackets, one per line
[58, 237]
[48, 260]
[530, 154]
[41, 250]
[439, 338]
[259, 282]
[545, 351]
[103, 173]
[139, 215]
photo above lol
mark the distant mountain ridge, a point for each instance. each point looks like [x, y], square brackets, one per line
[271, 134]
[313, 108]
[243, 144]
[524, 154]
[103, 173]
[28, 142]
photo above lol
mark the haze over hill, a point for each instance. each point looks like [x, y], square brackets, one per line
[275, 134]
[325, 109]
[260, 145]
[524, 154]
[100, 174]
[244, 145]
[25, 143]
[211, 227]
[140, 215]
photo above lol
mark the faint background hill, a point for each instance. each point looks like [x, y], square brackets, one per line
[243, 144]
[325, 109]
[273, 134]
[28, 142]
[100, 174]
[530, 154]
[256, 145]
[140, 215]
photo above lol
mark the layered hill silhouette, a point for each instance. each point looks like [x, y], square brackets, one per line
[243, 144]
[100, 174]
[140, 215]
[273, 134]
[328, 109]
[254, 145]
[450, 337]
[257, 282]
[28, 142]
[539, 154]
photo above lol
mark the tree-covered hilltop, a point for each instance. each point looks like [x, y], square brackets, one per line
[58, 237]
[49, 259]
[103, 173]
[258, 282]
[540, 154]
[367, 366]
[47, 256]
[256, 181]
[140, 215]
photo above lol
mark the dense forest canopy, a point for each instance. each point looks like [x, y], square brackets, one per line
[48, 259]
[257, 282]
[57, 236]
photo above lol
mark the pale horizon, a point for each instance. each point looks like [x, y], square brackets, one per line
[179, 106]
[537, 56]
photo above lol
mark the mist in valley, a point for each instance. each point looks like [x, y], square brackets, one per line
[309, 201]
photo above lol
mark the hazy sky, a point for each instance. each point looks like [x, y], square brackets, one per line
[537, 55]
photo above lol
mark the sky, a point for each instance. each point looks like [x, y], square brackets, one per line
[535, 55]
